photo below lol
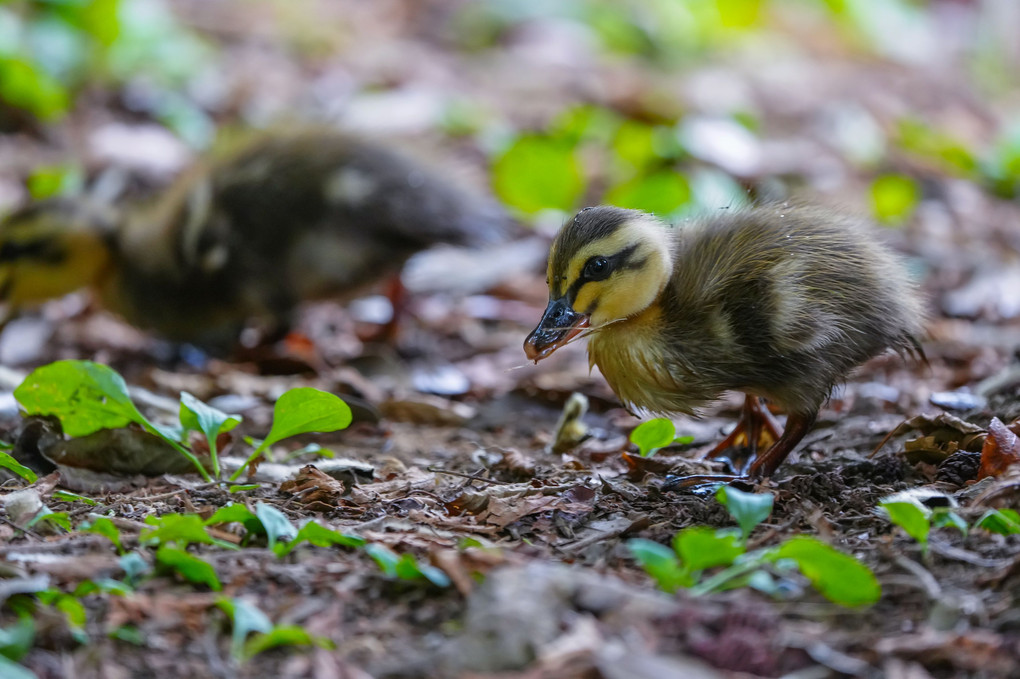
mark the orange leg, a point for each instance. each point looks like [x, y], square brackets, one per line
[797, 426]
[756, 426]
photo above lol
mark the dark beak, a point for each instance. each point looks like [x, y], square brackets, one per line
[559, 324]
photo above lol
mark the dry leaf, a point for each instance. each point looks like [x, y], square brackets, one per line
[1001, 449]
[314, 489]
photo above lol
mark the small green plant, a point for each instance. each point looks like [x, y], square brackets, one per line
[917, 519]
[1001, 521]
[8, 462]
[653, 435]
[909, 512]
[89, 396]
[840, 578]
[405, 567]
[253, 632]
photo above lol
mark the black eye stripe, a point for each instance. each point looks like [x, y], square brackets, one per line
[617, 262]
[42, 250]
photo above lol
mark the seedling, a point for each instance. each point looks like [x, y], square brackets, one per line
[253, 632]
[917, 519]
[653, 435]
[840, 578]
[8, 462]
[1001, 521]
[89, 396]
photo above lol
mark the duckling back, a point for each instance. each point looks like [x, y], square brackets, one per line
[783, 302]
[288, 218]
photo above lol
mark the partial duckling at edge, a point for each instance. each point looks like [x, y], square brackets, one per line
[776, 301]
[288, 218]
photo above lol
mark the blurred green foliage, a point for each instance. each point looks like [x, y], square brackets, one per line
[50, 50]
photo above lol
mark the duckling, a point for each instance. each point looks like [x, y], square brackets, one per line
[288, 218]
[777, 301]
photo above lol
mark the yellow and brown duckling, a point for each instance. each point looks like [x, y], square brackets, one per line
[288, 218]
[775, 301]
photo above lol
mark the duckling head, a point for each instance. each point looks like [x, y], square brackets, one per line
[52, 248]
[606, 265]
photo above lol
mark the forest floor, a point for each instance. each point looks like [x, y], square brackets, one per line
[450, 456]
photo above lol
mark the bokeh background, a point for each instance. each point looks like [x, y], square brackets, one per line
[904, 110]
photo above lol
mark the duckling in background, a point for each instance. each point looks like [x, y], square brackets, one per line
[288, 218]
[776, 301]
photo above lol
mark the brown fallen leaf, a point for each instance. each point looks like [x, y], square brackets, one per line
[501, 512]
[517, 463]
[941, 436]
[1000, 450]
[314, 489]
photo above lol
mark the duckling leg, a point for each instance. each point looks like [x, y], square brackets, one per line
[756, 423]
[797, 426]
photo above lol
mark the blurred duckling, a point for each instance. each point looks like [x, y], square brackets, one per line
[288, 218]
[776, 301]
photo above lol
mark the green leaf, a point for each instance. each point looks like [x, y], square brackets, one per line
[911, 518]
[702, 547]
[47, 515]
[385, 557]
[300, 411]
[1001, 521]
[189, 566]
[433, 574]
[662, 192]
[65, 496]
[232, 513]
[103, 526]
[894, 197]
[652, 435]
[747, 509]
[276, 525]
[241, 487]
[839, 577]
[245, 619]
[304, 410]
[196, 415]
[660, 562]
[104, 585]
[87, 397]
[321, 536]
[8, 462]
[55, 180]
[24, 86]
[182, 529]
[945, 517]
[134, 566]
[130, 634]
[539, 172]
[12, 670]
[71, 607]
[16, 640]
[284, 635]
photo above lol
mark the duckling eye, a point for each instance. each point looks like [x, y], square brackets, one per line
[597, 269]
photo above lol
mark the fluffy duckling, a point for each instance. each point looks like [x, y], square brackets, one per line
[287, 218]
[776, 301]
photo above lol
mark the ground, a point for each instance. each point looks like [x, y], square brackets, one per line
[450, 457]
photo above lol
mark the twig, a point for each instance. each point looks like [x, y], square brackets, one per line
[26, 531]
[928, 581]
[473, 477]
[957, 554]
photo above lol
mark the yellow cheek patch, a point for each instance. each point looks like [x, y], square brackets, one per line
[30, 281]
[587, 297]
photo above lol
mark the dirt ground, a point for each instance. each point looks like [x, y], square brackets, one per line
[450, 455]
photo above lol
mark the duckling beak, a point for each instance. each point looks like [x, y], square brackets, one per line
[559, 324]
